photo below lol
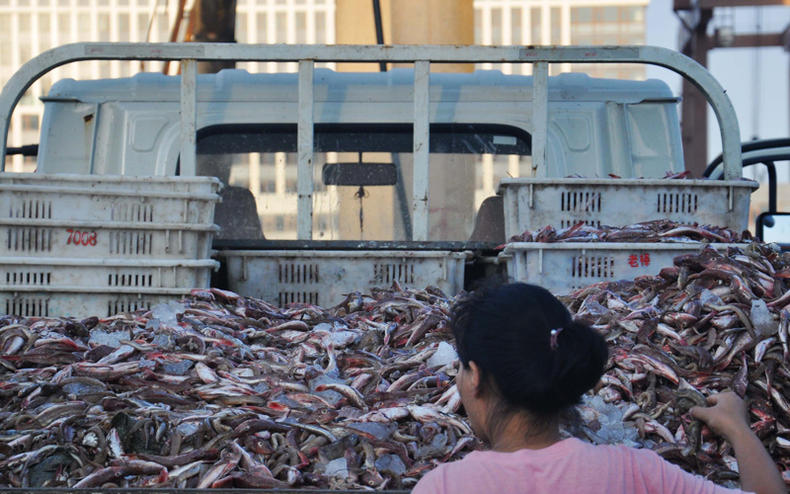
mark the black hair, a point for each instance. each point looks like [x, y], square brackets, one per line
[506, 330]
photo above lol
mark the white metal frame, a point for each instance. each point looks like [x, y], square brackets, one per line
[421, 56]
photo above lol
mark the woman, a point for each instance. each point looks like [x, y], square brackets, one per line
[524, 361]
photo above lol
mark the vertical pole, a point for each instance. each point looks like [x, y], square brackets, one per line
[540, 115]
[188, 117]
[421, 150]
[304, 133]
[694, 106]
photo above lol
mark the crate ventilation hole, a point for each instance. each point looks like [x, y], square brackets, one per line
[131, 242]
[129, 279]
[31, 208]
[297, 273]
[285, 298]
[26, 239]
[120, 305]
[677, 202]
[28, 278]
[580, 202]
[27, 307]
[402, 272]
[29, 239]
[592, 267]
[132, 212]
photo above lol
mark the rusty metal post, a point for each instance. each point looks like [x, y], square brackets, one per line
[694, 108]
[215, 22]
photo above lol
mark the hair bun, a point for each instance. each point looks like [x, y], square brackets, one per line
[507, 332]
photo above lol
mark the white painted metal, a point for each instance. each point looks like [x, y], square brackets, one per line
[383, 98]
[540, 115]
[531, 204]
[188, 158]
[421, 151]
[713, 91]
[326, 277]
[564, 267]
[304, 136]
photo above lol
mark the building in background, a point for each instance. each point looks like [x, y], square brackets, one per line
[29, 27]
[564, 22]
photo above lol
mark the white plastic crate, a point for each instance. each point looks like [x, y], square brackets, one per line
[532, 203]
[138, 201]
[90, 216]
[324, 277]
[564, 267]
[101, 239]
[80, 304]
[132, 276]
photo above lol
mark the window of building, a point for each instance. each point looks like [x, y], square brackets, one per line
[30, 122]
[518, 34]
[320, 28]
[64, 27]
[241, 25]
[581, 15]
[142, 27]
[496, 27]
[104, 27]
[556, 26]
[301, 27]
[536, 30]
[611, 25]
[123, 27]
[478, 26]
[5, 44]
[281, 21]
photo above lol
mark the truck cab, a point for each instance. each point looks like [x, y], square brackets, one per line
[480, 131]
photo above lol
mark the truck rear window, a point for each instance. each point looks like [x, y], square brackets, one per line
[466, 163]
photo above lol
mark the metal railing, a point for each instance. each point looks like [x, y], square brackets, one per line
[421, 56]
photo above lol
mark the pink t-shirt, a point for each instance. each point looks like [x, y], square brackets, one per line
[571, 466]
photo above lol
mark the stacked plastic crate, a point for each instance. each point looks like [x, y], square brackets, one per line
[531, 204]
[79, 245]
[325, 277]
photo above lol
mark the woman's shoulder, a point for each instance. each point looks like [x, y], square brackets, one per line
[444, 475]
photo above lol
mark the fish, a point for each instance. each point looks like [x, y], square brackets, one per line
[662, 230]
[243, 393]
[714, 346]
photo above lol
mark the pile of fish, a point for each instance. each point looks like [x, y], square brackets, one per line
[649, 231]
[709, 323]
[225, 391]
[221, 390]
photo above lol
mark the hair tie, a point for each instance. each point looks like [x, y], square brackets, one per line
[554, 333]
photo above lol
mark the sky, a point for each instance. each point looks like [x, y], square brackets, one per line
[755, 79]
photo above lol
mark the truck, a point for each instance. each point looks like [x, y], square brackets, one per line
[384, 169]
[333, 185]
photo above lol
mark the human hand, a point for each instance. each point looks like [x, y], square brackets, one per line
[726, 414]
